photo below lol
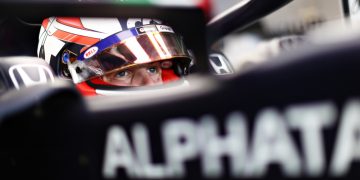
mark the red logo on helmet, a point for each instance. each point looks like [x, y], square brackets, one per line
[90, 52]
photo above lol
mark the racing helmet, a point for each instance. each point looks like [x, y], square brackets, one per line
[89, 50]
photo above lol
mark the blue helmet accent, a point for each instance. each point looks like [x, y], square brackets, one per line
[65, 57]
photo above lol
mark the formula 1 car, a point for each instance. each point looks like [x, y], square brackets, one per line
[296, 115]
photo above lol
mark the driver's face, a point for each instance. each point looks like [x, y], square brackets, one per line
[149, 74]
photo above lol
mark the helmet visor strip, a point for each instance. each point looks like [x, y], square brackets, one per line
[136, 46]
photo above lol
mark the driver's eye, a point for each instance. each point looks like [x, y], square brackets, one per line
[122, 74]
[152, 70]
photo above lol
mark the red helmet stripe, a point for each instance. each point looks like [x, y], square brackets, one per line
[99, 81]
[69, 37]
[168, 75]
[71, 21]
[45, 23]
[85, 89]
[84, 48]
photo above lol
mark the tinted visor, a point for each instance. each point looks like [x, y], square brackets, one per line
[135, 50]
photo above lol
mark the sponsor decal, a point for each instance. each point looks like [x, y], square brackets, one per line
[91, 52]
[250, 152]
[145, 29]
[163, 28]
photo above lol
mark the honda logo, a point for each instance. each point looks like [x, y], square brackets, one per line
[30, 75]
[220, 64]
